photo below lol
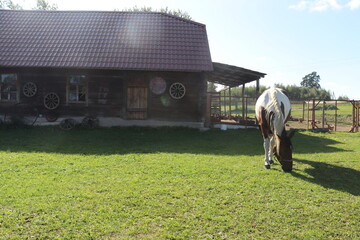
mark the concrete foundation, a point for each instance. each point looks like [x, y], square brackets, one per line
[112, 122]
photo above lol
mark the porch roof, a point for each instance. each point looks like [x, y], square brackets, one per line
[232, 76]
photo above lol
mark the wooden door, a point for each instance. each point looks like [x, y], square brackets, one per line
[137, 98]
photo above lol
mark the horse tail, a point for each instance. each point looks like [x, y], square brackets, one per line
[275, 106]
[278, 120]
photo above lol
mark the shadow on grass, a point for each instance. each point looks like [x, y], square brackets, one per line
[331, 176]
[150, 140]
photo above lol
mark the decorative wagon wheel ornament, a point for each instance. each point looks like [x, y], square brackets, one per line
[51, 101]
[177, 90]
[67, 124]
[29, 89]
[90, 122]
[51, 116]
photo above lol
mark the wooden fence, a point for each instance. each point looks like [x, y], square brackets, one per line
[310, 114]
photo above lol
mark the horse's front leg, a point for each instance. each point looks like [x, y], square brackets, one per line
[267, 150]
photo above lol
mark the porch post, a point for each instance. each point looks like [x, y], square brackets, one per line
[243, 101]
[229, 101]
[207, 122]
[257, 88]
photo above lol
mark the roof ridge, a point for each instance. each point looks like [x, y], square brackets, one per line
[107, 11]
[182, 19]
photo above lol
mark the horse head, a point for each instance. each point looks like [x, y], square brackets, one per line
[283, 150]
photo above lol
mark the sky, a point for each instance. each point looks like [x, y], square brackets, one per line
[286, 39]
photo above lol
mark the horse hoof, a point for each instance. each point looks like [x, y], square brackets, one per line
[267, 166]
[271, 161]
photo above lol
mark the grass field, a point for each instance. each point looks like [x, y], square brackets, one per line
[169, 183]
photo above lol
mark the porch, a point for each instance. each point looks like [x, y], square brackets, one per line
[227, 110]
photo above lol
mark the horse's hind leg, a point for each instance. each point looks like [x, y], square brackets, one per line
[267, 150]
[271, 153]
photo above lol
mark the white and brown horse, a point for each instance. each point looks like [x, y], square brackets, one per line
[272, 111]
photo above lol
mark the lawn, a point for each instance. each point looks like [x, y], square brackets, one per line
[175, 183]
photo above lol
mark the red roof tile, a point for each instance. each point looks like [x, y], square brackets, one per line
[102, 40]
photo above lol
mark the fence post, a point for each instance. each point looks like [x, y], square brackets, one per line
[335, 115]
[313, 116]
[354, 112]
[357, 116]
[303, 113]
[323, 115]
[308, 115]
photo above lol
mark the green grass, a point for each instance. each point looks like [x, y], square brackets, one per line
[140, 183]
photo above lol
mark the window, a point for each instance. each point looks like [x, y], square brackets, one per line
[8, 87]
[77, 89]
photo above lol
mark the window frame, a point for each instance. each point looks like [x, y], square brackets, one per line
[17, 91]
[83, 82]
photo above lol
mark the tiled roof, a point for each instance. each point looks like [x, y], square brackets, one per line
[102, 40]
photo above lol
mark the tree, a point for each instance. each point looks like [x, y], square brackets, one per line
[211, 87]
[295, 92]
[44, 5]
[249, 91]
[8, 4]
[343, 98]
[177, 13]
[311, 80]
[40, 5]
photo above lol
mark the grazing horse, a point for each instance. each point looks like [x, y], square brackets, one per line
[272, 111]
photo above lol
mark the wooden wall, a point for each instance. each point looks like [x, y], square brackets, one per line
[188, 108]
[113, 94]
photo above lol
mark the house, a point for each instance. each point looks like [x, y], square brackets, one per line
[122, 68]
